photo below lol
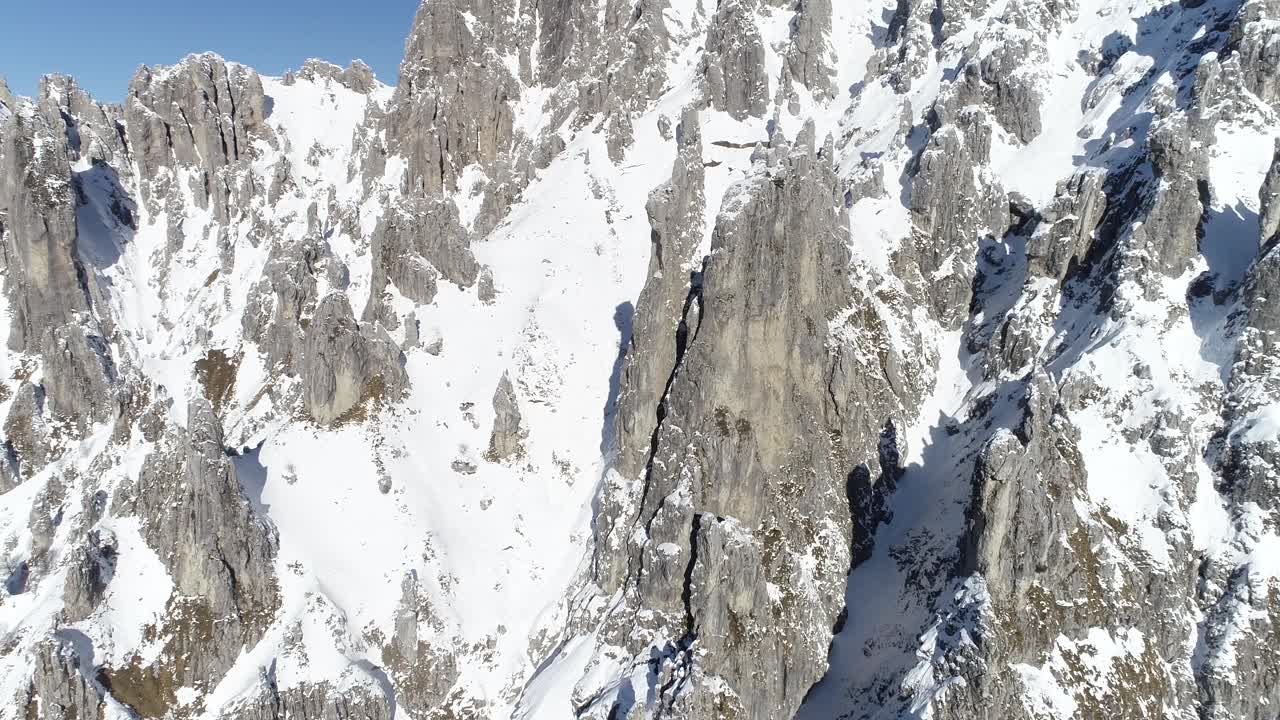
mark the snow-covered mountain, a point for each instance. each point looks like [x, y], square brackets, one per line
[750, 359]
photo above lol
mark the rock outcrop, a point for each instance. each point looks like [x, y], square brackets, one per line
[356, 76]
[216, 548]
[952, 207]
[733, 67]
[675, 215]
[1269, 196]
[1256, 44]
[506, 440]
[937, 376]
[202, 116]
[44, 275]
[345, 364]
[743, 489]
[414, 244]
[60, 688]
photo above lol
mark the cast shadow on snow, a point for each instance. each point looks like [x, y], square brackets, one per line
[1175, 39]
[253, 477]
[384, 683]
[105, 218]
[1229, 246]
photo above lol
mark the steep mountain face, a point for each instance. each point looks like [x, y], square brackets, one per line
[628, 359]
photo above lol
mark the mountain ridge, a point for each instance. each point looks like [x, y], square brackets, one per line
[654, 360]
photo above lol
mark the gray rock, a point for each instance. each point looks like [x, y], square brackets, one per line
[423, 674]
[336, 273]
[733, 65]
[436, 346]
[203, 114]
[217, 549]
[417, 241]
[451, 107]
[93, 131]
[675, 210]
[1169, 237]
[506, 441]
[744, 477]
[1042, 567]
[485, 289]
[319, 701]
[1269, 195]
[1255, 40]
[1063, 237]
[27, 444]
[346, 365]
[951, 207]
[78, 376]
[808, 55]
[1251, 461]
[44, 271]
[91, 572]
[61, 688]
[997, 81]
[7, 102]
[44, 518]
[912, 35]
[411, 331]
[278, 304]
[357, 77]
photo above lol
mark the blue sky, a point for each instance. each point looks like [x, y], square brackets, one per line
[101, 43]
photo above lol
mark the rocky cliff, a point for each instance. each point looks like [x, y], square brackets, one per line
[673, 359]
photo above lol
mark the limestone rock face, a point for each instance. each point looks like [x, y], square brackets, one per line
[78, 376]
[424, 674]
[215, 546]
[57, 312]
[505, 442]
[951, 208]
[995, 80]
[1256, 41]
[203, 115]
[809, 56]
[1065, 233]
[27, 444]
[605, 60]
[356, 77]
[320, 702]
[850, 361]
[286, 294]
[1026, 540]
[734, 65]
[414, 245]
[741, 485]
[6, 99]
[1251, 457]
[60, 688]
[675, 209]
[452, 85]
[93, 571]
[1269, 220]
[346, 364]
[1170, 235]
[44, 272]
[94, 131]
